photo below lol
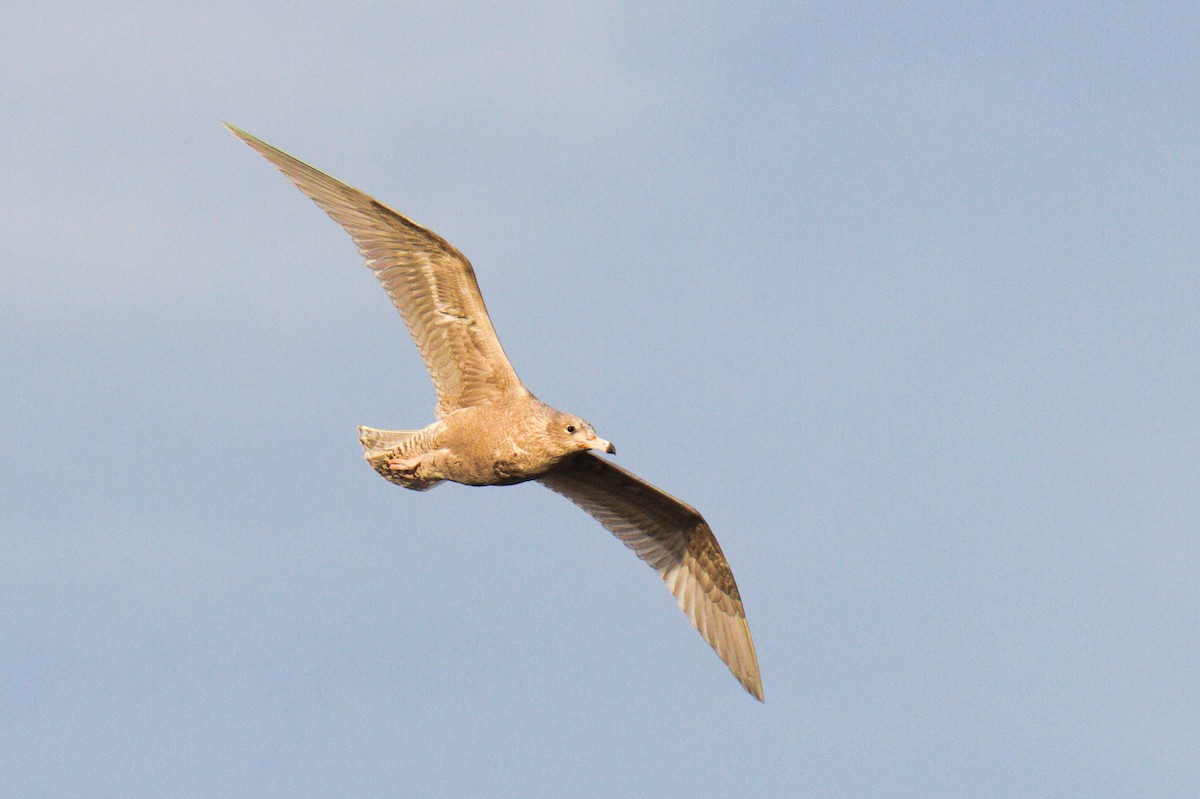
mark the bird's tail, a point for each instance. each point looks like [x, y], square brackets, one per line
[383, 445]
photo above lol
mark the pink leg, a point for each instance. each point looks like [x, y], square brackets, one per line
[404, 464]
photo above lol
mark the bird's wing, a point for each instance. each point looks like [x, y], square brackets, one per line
[430, 282]
[675, 540]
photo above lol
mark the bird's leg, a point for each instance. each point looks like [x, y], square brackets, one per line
[423, 464]
[409, 464]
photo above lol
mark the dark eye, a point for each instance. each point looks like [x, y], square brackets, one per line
[570, 428]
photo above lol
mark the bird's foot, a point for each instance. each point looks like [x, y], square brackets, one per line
[404, 464]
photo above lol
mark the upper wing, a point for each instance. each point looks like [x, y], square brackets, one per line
[676, 541]
[430, 282]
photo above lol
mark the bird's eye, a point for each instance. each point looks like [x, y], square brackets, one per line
[570, 428]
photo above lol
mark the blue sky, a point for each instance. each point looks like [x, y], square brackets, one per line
[903, 299]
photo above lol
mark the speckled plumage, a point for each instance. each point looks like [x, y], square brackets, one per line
[490, 430]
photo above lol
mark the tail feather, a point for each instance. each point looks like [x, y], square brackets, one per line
[383, 445]
[378, 443]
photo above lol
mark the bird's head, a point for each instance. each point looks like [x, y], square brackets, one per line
[575, 435]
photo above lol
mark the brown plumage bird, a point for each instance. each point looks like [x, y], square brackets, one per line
[491, 430]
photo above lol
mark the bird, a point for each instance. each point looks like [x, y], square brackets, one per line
[491, 430]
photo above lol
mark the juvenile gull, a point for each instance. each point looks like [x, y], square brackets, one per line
[491, 430]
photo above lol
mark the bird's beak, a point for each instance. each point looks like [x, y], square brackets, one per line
[600, 445]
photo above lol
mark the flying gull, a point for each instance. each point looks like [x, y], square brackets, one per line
[491, 430]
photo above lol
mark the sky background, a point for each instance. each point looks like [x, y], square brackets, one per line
[905, 300]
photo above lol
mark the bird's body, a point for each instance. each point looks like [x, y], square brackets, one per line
[490, 430]
[509, 442]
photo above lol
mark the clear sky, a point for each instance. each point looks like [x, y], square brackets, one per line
[905, 300]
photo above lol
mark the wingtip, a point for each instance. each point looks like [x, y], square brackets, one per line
[750, 678]
[236, 131]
